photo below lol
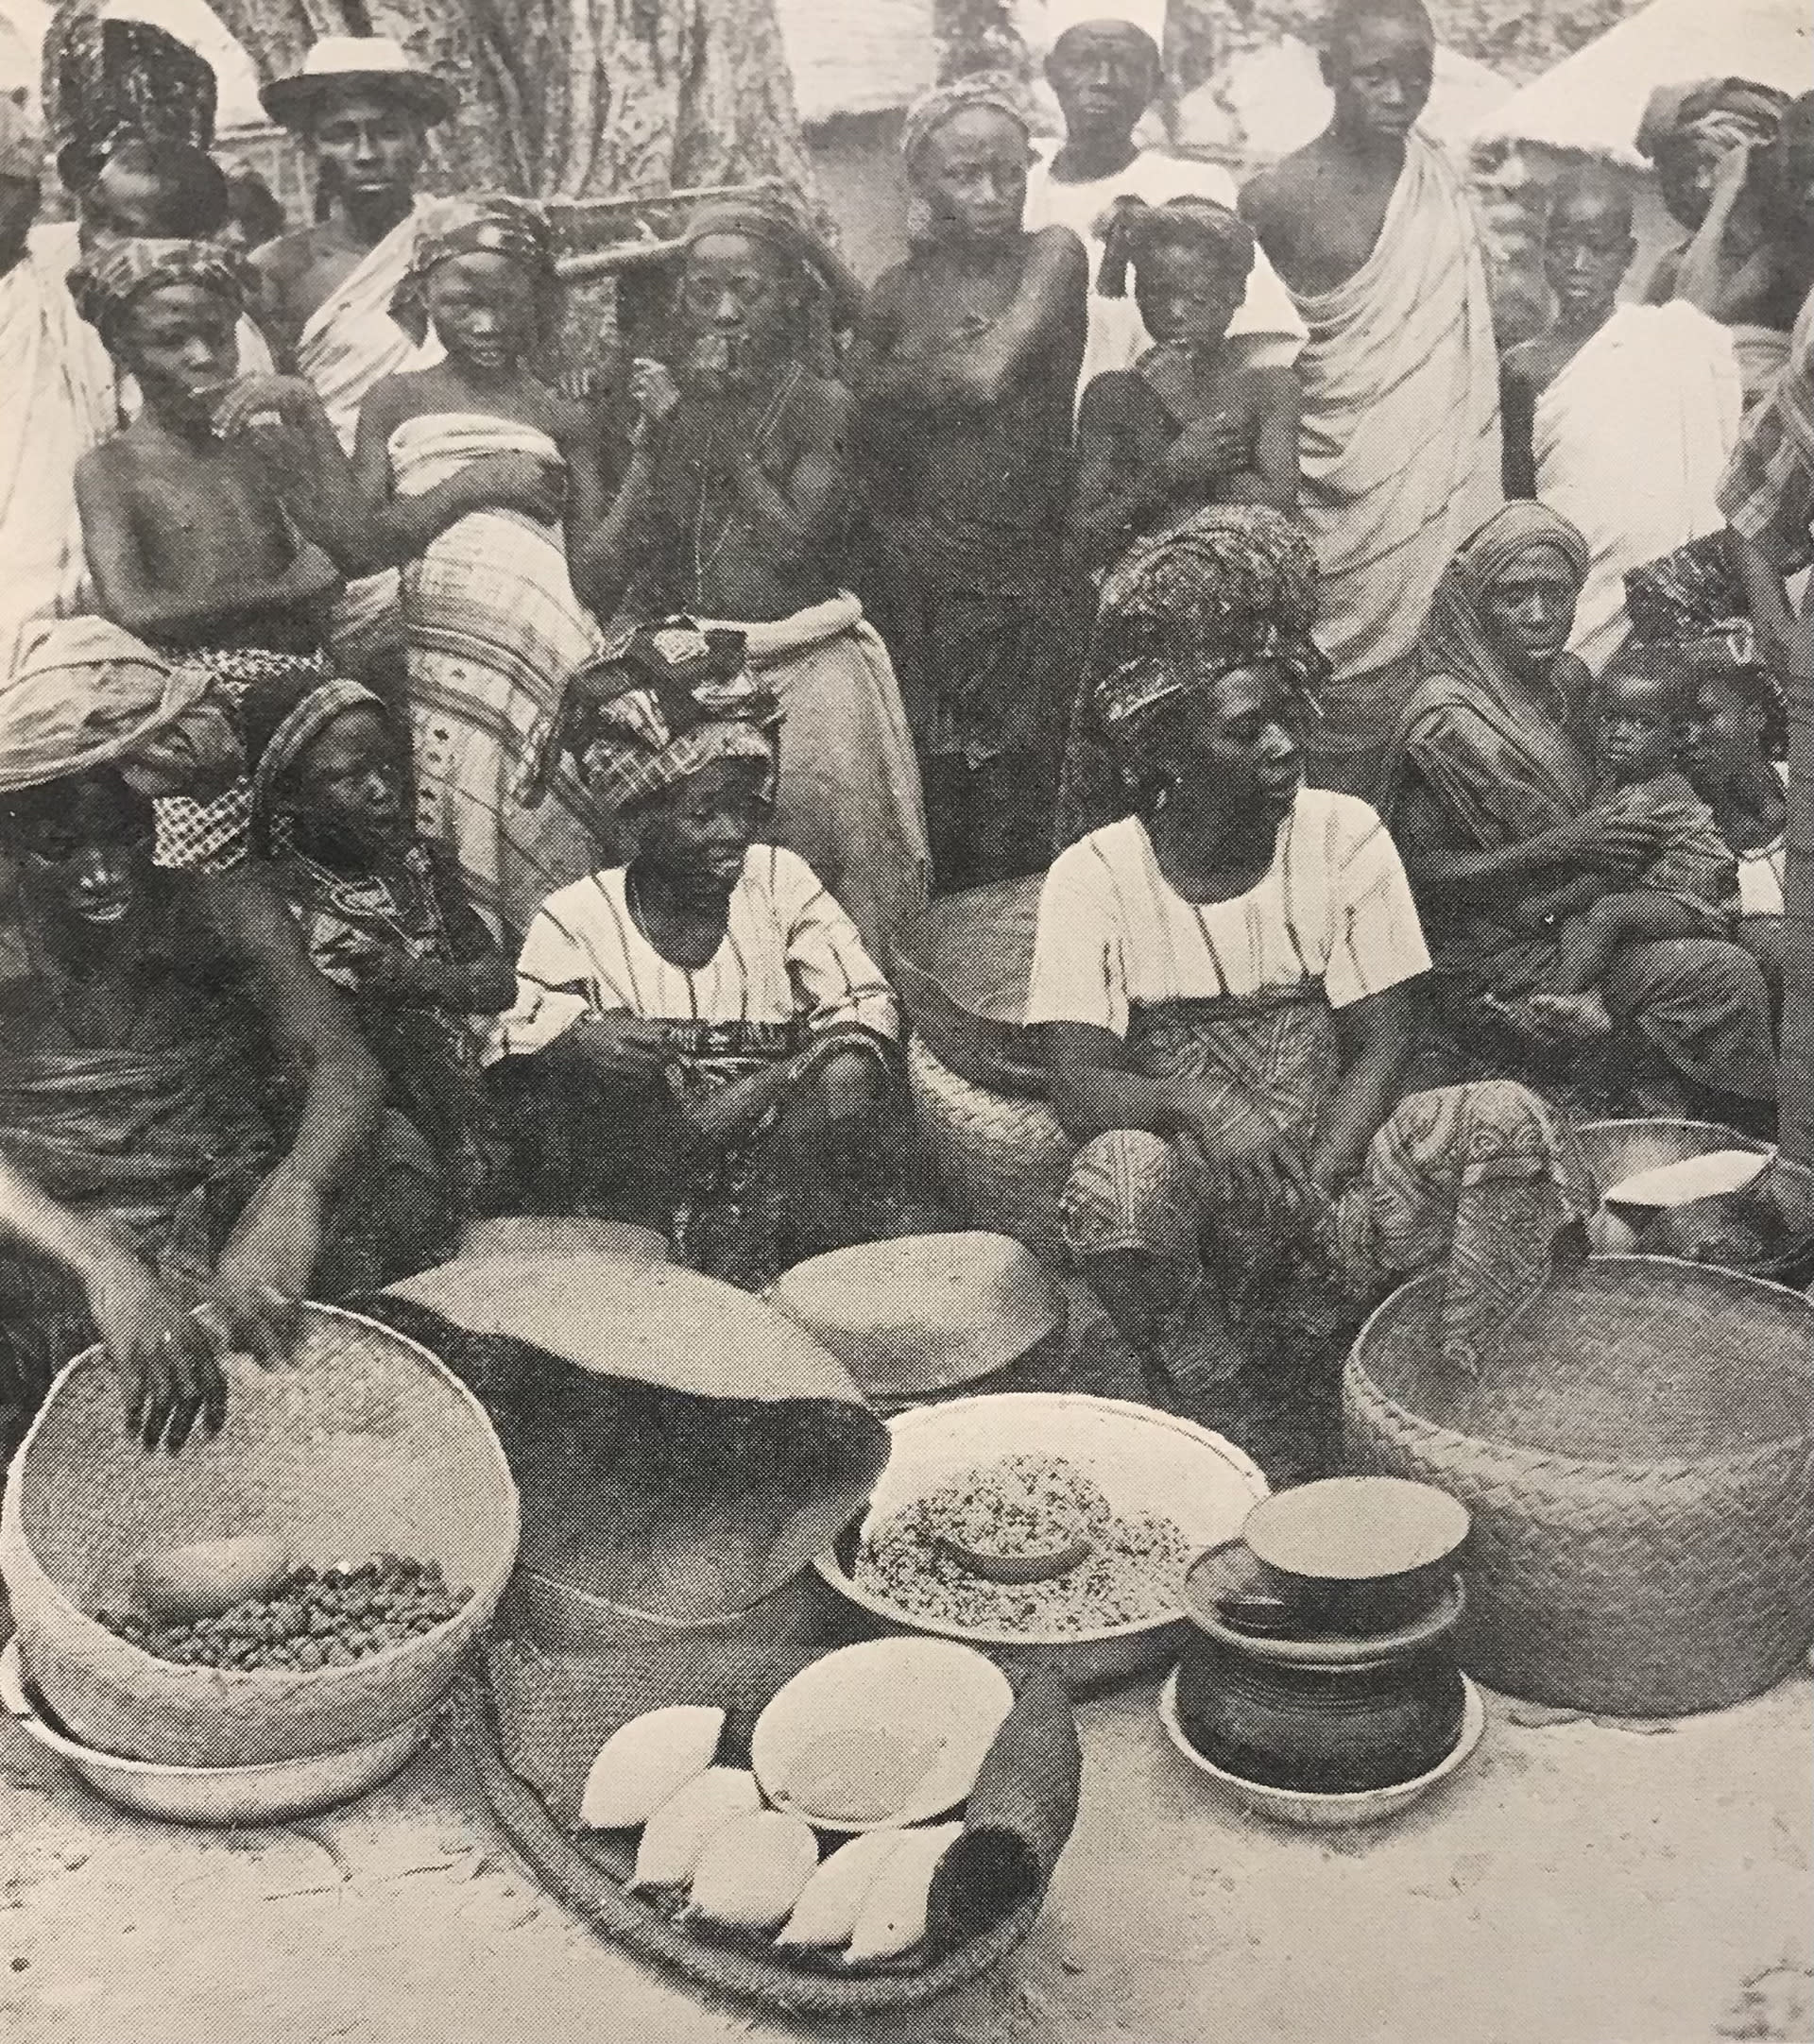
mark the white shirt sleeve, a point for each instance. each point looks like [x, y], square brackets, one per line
[554, 988]
[835, 978]
[1377, 939]
[1078, 970]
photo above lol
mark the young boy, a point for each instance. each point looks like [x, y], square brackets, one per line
[383, 914]
[720, 1045]
[1688, 888]
[203, 537]
[1190, 424]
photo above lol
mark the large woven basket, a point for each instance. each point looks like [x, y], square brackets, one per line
[1001, 1159]
[363, 1444]
[1638, 1456]
[963, 967]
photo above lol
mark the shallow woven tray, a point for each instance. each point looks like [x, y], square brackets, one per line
[363, 1444]
[1638, 1456]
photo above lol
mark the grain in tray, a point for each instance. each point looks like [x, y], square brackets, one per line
[1134, 1573]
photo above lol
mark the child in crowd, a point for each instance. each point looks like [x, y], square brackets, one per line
[1190, 424]
[722, 1048]
[1688, 887]
[383, 914]
[199, 541]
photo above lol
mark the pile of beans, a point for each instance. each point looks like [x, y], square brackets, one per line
[315, 1618]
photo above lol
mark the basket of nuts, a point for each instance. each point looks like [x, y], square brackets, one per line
[304, 1582]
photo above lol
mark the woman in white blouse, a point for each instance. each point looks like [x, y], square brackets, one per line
[1226, 982]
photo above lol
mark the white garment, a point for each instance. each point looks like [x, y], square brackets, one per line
[1762, 871]
[1334, 910]
[54, 408]
[350, 342]
[1267, 323]
[1632, 440]
[789, 951]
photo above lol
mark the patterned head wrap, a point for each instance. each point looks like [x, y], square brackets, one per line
[491, 223]
[105, 284]
[930, 113]
[1456, 639]
[1198, 223]
[663, 702]
[292, 738]
[121, 78]
[84, 695]
[776, 225]
[1231, 586]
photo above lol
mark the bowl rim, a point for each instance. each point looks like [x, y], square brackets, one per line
[911, 1812]
[832, 1569]
[1474, 1718]
[32, 1722]
[13, 1536]
[1439, 1504]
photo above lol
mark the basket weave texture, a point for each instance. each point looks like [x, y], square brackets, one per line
[1638, 1456]
[1001, 1158]
[363, 1444]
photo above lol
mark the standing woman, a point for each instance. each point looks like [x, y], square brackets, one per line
[484, 485]
[965, 371]
[1490, 795]
[735, 509]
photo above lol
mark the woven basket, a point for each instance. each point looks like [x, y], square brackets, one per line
[363, 1445]
[1002, 1160]
[1638, 1456]
[961, 968]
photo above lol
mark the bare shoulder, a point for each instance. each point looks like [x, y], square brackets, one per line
[821, 408]
[1270, 196]
[1058, 251]
[287, 258]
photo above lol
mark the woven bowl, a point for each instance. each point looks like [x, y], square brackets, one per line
[1638, 1457]
[363, 1444]
[1001, 1159]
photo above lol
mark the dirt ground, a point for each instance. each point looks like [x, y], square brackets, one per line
[1581, 1884]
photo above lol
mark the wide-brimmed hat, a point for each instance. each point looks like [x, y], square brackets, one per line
[339, 64]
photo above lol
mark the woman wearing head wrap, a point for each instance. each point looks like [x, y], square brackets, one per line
[1190, 423]
[705, 1012]
[487, 488]
[1223, 979]
[735, 506]
[1490, 794]
[965, 372]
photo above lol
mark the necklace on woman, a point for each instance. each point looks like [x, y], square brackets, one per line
[702, 560]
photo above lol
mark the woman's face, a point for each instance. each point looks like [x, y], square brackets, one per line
[1724, 734]
[738, 300]
[1235, 748]
[698, 832]
[483, 307]
[85, 846]
[1528, 608]
[971, 170]
[351, 785]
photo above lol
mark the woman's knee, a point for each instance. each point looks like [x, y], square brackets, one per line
[849, 1087]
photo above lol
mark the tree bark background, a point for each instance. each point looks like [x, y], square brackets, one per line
[568, 98]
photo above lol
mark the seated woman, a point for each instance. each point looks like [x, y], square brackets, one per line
[385, 915]
[1490, 795]
[1225, 983]
[154, 1154]
[720, 1047]
[1190, 423]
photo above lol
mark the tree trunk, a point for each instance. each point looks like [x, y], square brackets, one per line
[572, 99]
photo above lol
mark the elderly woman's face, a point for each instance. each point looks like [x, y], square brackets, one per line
[1235, 746]
[1528, 607]
[737, 298]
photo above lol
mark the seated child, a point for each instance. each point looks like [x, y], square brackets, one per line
[192, 522]
[383, 914]
[1688, 887]
[1188, 425]
[722, 1048]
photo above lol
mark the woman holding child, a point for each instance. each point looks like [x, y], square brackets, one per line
[1493, 795]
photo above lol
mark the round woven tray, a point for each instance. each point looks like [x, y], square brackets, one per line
[1001, 1158]
[363, 1444]
[1638, 1457]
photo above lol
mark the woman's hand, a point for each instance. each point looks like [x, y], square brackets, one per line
[1236, 1141]
[264, 1274]
[1204, 451]
[656, 394]
[174, 1375]
[621, 1047]
[1617, 839]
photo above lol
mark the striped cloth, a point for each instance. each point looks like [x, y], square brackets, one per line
[1768, 493]
[493, 630]
[1334, 913]
[1400, 444]
[790, 956]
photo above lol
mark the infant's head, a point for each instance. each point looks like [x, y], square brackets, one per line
[1641, 708]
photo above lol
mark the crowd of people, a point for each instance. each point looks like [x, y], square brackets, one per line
[425, 794]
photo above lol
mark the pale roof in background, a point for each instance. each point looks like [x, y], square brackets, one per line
[856, 56]
[1594, 100]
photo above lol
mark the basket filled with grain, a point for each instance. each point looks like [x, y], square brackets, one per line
[306, 1581]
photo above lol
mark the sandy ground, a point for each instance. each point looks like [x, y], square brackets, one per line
[1581, 1884]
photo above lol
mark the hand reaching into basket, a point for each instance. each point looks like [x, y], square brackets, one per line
[164, 1351]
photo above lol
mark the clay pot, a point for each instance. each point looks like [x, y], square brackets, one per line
[1332, 1713]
